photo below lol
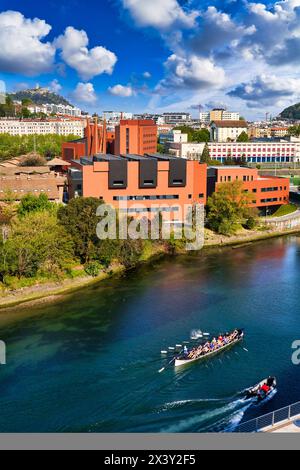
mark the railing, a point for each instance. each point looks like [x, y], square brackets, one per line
[270, 420]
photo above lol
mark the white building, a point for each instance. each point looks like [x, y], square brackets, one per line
[218, 114]
[254, 152]
[224, 131]
[49, 109]
[177, 118]
[39, 127]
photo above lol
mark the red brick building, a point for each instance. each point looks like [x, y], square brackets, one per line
[136, 137]
[265, 190]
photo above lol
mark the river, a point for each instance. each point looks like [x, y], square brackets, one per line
[89, 362]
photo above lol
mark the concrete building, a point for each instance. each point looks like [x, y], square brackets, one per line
[19, 181]
[135, 137]
[176, 136]
[218, 114]
[177, 119]
[224, 131]
[57, 126]
[264, 191]
[60, 109]
[148, 185]
[253, 152]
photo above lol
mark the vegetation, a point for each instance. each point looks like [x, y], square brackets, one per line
[47, 145]
[31, 203]
[228, 208]
[295, 130]
[33, 159]
[38, 96]
[201, 135]
[205, 158]
[285, 209]
[243, 137]
[292, 112]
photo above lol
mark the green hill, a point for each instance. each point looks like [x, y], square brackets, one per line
[39, 96]
[292, 112]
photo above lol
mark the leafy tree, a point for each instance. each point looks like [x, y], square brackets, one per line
[228, 207]
[130, 252]
[37, 244]
[243, 137]
[80, 220]
[161, 148]
[31, 203]
[48, 145]
[203, 135]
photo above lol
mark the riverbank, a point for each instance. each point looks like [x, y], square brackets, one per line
[48, 292]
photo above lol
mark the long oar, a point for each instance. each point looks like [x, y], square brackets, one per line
[164, 368]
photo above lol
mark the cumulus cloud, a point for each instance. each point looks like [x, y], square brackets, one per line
[22, 50]
[191, 72]
[55, 86]
[218, 30]
[160, 14]
[122, 91]
[84, 93]
[267, 90]
[147, 75]
[87, 62]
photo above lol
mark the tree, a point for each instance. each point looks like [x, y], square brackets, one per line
[228, 207]
[31, 203]
[205, 157]
[37, 244]
[243, 137]
[33, 160]
[80, 220]
[203, 135]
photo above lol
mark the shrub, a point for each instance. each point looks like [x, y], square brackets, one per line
[93, 268]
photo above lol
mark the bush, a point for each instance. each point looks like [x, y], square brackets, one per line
[251, 223]
[93, 268]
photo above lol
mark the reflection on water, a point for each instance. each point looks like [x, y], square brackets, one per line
[90, 362]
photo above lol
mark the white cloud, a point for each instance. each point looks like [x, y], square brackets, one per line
[22, 50]
[122, 91]
[88, 63]
[55, 86]
[267, 90]
[217, 30]
[147, 75]
[160, 14]
[84, 93]
[191, 73]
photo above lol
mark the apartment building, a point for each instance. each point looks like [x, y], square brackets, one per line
[218, 114]
[253, 152]
[225, 131]
[42, 127]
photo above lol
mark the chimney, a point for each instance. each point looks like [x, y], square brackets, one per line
[96, 137]
[88, 137]
[104, 140]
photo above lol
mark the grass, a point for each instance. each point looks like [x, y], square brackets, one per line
[285, 210]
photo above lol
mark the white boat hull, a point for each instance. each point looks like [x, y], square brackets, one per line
[185, 362]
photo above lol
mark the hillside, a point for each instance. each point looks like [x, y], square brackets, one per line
[39, 96]
[292, 112]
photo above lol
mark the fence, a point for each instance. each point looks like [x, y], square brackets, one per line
[270, 420]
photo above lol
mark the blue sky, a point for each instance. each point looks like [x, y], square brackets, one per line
[155, 55]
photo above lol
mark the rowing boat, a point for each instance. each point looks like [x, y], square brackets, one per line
[184, 360]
